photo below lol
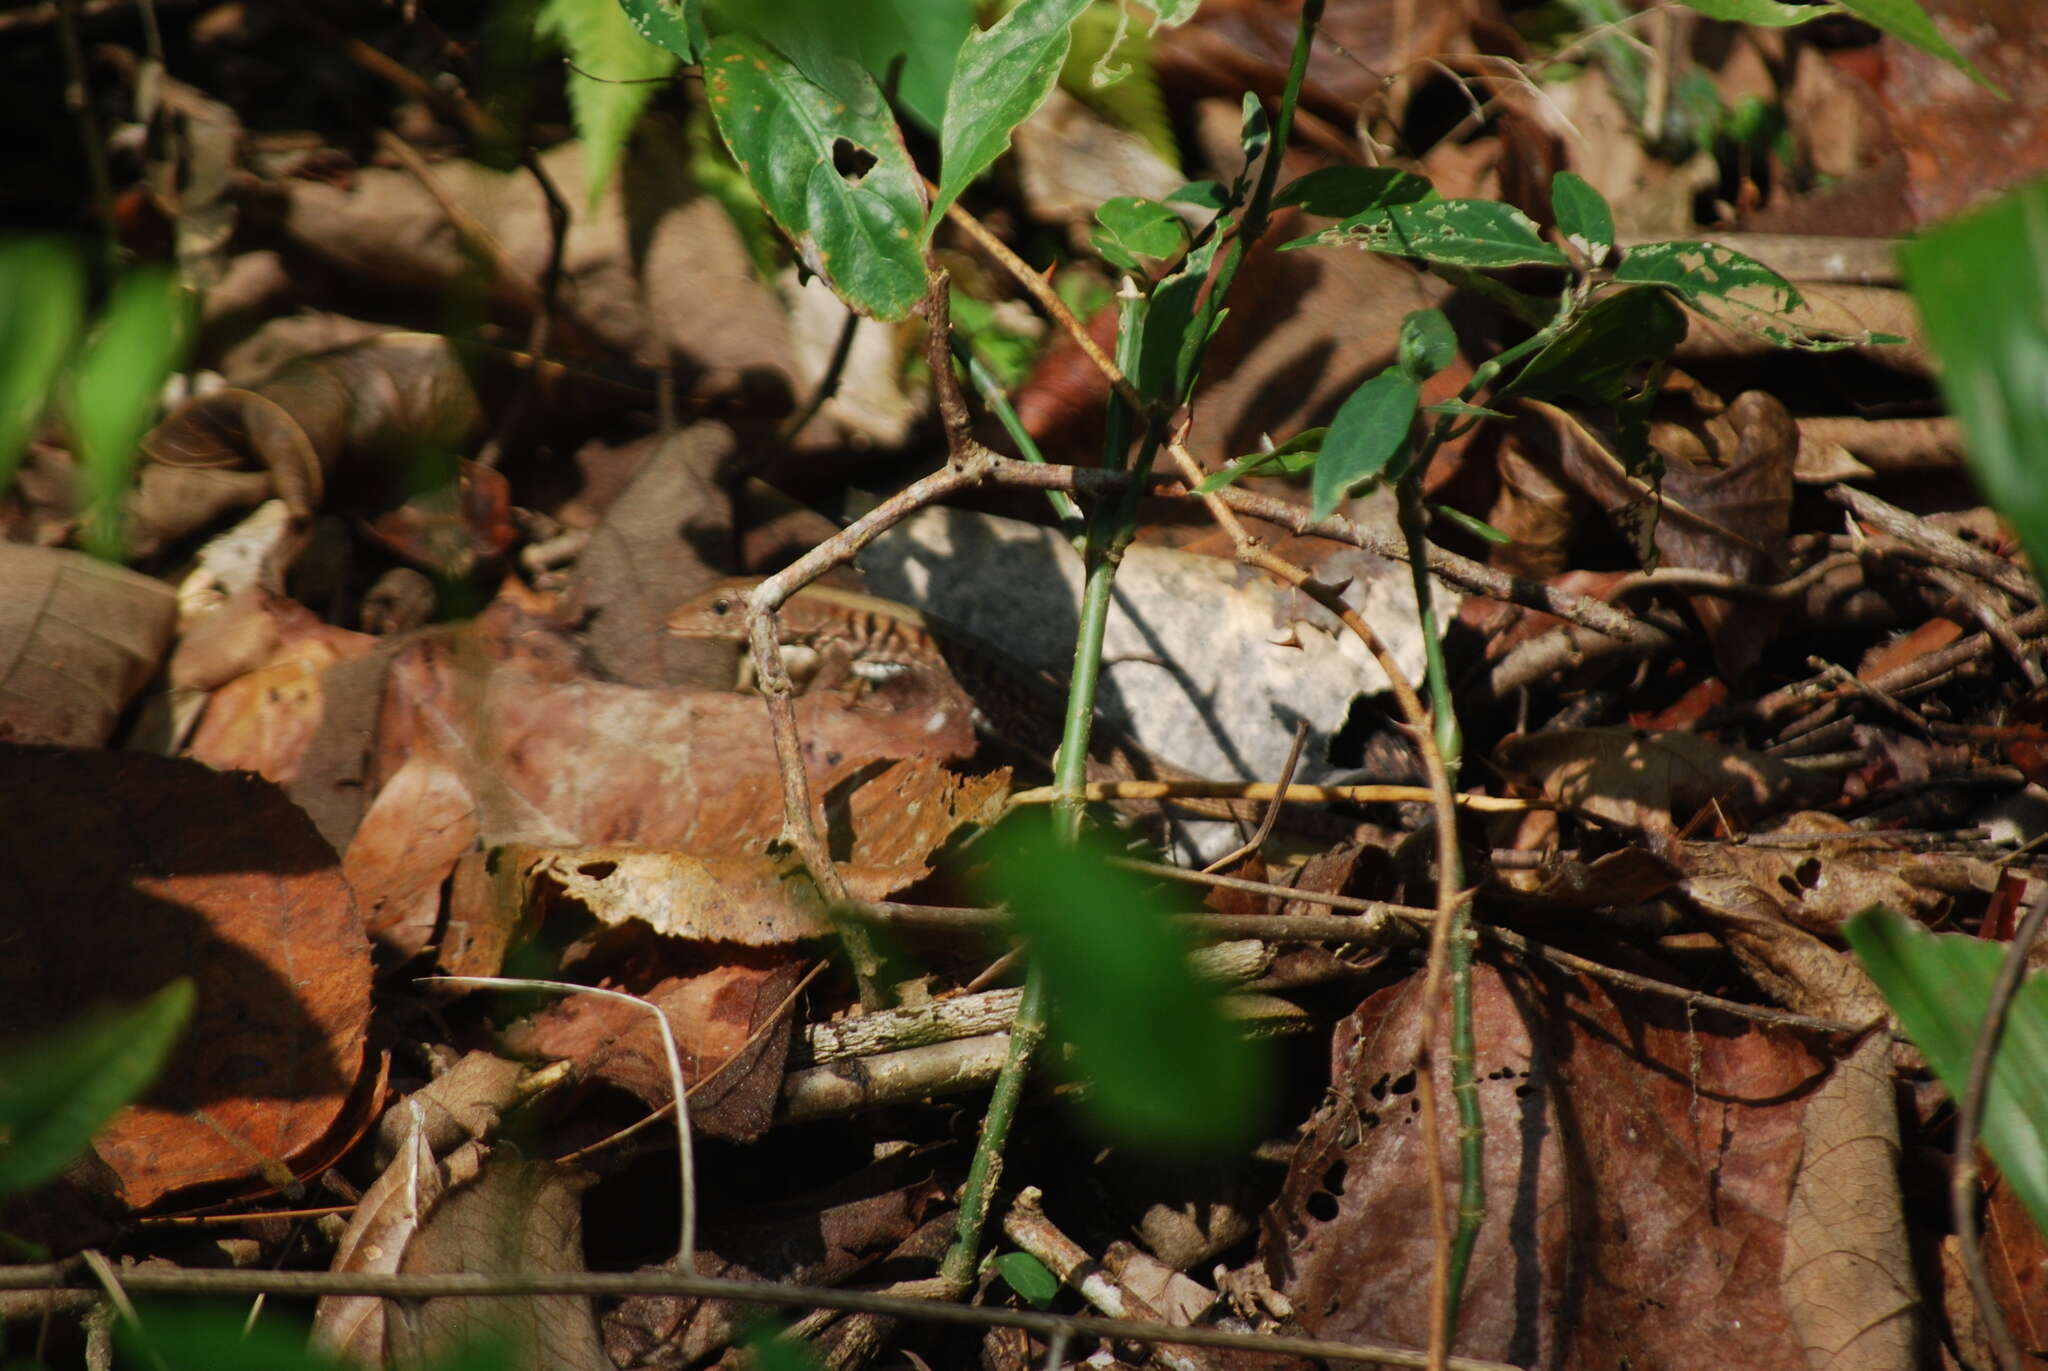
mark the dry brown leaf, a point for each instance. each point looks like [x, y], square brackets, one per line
[122, 871]
[419, 826]
[385, 1220]
[78, 639]
[460, 1105]
[1848, 1272]
[1798, 970]
[265, 720]
[1637, 1163]
[1656, 781]
[514, 1218]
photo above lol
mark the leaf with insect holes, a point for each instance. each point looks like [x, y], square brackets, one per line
[1291, 458]
[822, 151]
[1465, 233]
[1164, 1068]
[1131, 229]
[1981, 283]
[1003, 73]
[1939, 984]
[1369, 429]
[1341, 192]
[614, 72]
[677, 25]
[1733, 288]
[56, 1093]
[1582, 216]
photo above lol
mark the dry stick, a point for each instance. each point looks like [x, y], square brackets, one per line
[842, 348]
[540, 330]
[1962, 1191]
[1279, 797]
[1096, 792]
[589, 1284]
[1423, 736]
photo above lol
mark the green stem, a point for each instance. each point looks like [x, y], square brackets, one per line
[983, 1173]
[991, 392]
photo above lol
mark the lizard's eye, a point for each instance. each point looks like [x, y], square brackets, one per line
[721, 607]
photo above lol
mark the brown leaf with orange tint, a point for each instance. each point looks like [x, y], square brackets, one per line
[1636, 1167]
[264, 720]
[418, 827]
[1656, 781]
[122, 871]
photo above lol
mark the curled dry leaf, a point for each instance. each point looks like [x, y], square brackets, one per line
[374, 1243]
[1656, 782]
[78, 640]
[122, 871]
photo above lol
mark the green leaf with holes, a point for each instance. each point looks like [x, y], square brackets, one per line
[1164, 1067]
[1734, 288]
[57, 1092]
[1003, 73]
[1939, 985]
[1466, 233]
[1368, 431]
[821, 150]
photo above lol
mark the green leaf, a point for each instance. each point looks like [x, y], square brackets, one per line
[1471, 524]
[617, 72]
[1707, 271]
[677, 25]
[1341, 192]
[42, 294]
[1603, 353]
[1982, 287]
[1291, 458]
[1132, 229]
[1463, 409]
[140, 340]
[1428, 344]
[1939, 985]
[1764, 13]
[1002, 74]
[915, 41]
[1166, 1069]
[1178, 325]
[187, 1335]
[1200, 194]
[1468, 233]
[57, 1092]
[827, 161]
[1029, 1277]
[1905, 20]
[1369, 429]
[1582, 216]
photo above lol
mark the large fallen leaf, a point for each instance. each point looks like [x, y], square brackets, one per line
[78, 639]
[123, 870]
[1637, 1167]
[1656, 781]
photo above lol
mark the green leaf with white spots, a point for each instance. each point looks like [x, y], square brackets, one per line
[1466, 233]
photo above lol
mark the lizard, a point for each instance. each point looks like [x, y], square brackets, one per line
[872, 639]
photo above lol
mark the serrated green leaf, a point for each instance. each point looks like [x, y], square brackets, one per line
[1165, 1068]
[56, 1093]
[1468, 233]
[676, 25]
[1369, 429]
[140, 340]
[1002, 74]
[1981, 283]
[1029, 1277]
[1427, 344]
[1906, 21]
[827, 161]
[617, 70]
[42, 304]
[1582, 216]
[1291, 458]
[1132, 229]
[1763, 13]
[1341, 192]
[1939, 986]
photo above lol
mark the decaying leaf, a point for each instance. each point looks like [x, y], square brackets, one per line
[1656, 781]
[78, 640]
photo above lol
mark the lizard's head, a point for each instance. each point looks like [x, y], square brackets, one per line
[718, 611]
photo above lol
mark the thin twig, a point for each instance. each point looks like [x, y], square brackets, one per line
[2012, 972]
[1272, 814]
[1097, 792]
[589, 1284]
[828, 384]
